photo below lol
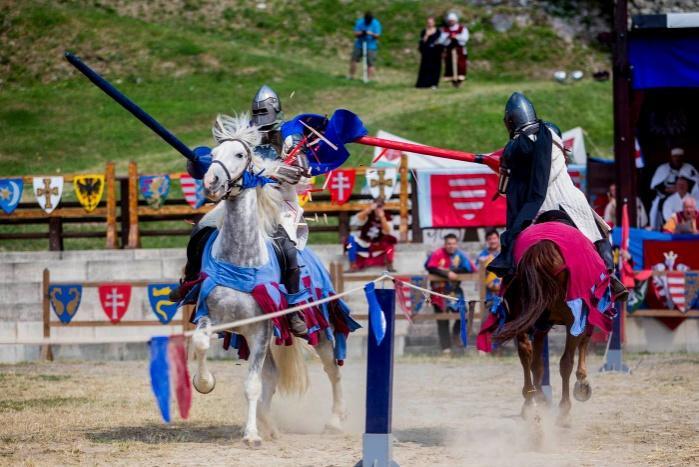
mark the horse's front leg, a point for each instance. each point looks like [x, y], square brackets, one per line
[203, 380]
[524, 350]
[258, 341]
[566, 368]
[327, 356]
[582, 391]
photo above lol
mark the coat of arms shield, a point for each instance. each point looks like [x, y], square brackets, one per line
[155, 189]
[65, 300]
[89, 190]
[381, 182]
[48, 191]
[158, 296]
[10, 194]
[115, 300]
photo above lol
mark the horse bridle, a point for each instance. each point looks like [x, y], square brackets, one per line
[237, 182]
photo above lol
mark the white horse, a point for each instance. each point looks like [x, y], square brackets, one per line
[247, 219]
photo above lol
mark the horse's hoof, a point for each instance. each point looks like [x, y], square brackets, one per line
[528, 410]
[204, 385]
[332, 428]
[563, 421]
[253, 441]
[582, 391]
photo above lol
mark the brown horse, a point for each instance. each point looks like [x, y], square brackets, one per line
[536, 301]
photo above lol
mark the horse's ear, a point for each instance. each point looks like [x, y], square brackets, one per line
[217, 129]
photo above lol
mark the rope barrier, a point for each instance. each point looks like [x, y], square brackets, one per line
[219, 327]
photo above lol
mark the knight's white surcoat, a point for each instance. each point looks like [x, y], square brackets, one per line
[561, 192]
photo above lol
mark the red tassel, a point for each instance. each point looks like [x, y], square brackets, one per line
[177, 355]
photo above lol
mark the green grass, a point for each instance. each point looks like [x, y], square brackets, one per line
[185, 66]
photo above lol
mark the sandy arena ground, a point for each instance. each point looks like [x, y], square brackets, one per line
[447, 412]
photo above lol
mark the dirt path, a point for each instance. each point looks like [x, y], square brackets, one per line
[461, 411]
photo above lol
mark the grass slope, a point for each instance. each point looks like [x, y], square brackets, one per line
[186, 61]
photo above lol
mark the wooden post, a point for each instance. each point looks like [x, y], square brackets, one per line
[483, 290]
[344, 229]
[625, 166]
[111, 205]
[333, 275]
[417, 231]
[46, 352]
[340, 279]
[403, 198]
[469, 322]
[55, 233]
[124, 207]
[134, 237]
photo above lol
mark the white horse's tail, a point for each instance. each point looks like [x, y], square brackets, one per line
[290, 362]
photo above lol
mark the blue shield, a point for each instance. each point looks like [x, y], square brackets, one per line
[65, 300]
[416, 297]
[154, 189]
[10, 193]
[160, 303]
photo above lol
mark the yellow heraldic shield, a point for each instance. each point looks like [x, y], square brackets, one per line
[89, 190]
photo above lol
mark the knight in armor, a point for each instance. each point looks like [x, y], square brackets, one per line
[268, 117]
[534, 176]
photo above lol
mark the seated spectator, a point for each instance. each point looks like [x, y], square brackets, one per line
[610, 209]
[448, 262]
[374, 245]
[684, 221]
[492, 282]
[663, 183]
[683, 186]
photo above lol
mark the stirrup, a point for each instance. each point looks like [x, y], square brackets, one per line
[619, 290]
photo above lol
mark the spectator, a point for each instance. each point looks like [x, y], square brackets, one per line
[430, 56]
[492, 282]
[610, 209]
[367, 31]
[663, 183]
[375, 244]
[673, 203]
[454, 37]
[448, 262]
[684, 221]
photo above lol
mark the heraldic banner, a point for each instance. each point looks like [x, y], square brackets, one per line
[447, 198]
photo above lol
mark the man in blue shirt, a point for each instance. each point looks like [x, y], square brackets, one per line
[367, 31]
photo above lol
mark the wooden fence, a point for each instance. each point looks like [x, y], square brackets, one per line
[124, 213]
[48, 323]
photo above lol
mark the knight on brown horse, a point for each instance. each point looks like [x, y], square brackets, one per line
[559, 280]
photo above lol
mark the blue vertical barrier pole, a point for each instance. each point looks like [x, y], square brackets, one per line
[546, 379]
[614, 360]
[378, 441]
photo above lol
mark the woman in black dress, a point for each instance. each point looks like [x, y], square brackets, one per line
[431, 56]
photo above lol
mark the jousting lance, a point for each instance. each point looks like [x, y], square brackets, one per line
[130, 106]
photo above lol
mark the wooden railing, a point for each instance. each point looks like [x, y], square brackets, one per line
[124, 213]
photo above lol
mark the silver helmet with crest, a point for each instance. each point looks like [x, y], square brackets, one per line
[266, 108]
[519, 113]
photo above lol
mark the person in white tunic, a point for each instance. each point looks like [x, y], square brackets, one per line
[534, 176]
[664, 184]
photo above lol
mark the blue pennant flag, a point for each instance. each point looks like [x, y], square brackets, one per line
[160, 374]
[158, 296]
[65, 300]
[461, 307]
[377, 319]
[10, 193]
[341, 128]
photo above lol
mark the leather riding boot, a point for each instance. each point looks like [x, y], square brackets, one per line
[604, 249]
[195, 250]
[292, 278]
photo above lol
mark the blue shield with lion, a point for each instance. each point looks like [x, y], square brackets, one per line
[65, 300]
[158, 296]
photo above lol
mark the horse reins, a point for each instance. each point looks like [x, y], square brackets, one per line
[231, 182]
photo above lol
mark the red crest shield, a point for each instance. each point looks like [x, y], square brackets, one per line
[115, 300]
[341, 184]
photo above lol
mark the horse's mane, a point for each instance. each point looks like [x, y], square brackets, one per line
[236, 127]
[269, 199]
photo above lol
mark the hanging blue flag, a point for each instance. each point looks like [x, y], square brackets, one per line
[158, 296]
[65, 300]
[377, 319]
[341, 128]
[461, 306]
[160, 374]
[10, 193]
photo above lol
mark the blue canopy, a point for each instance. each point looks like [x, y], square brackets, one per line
[664, 62]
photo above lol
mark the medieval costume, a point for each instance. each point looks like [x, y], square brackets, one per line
[430, 59]
[267, 116]
[374, 245]
[440, 263]
[454, 37]
[535, 178]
